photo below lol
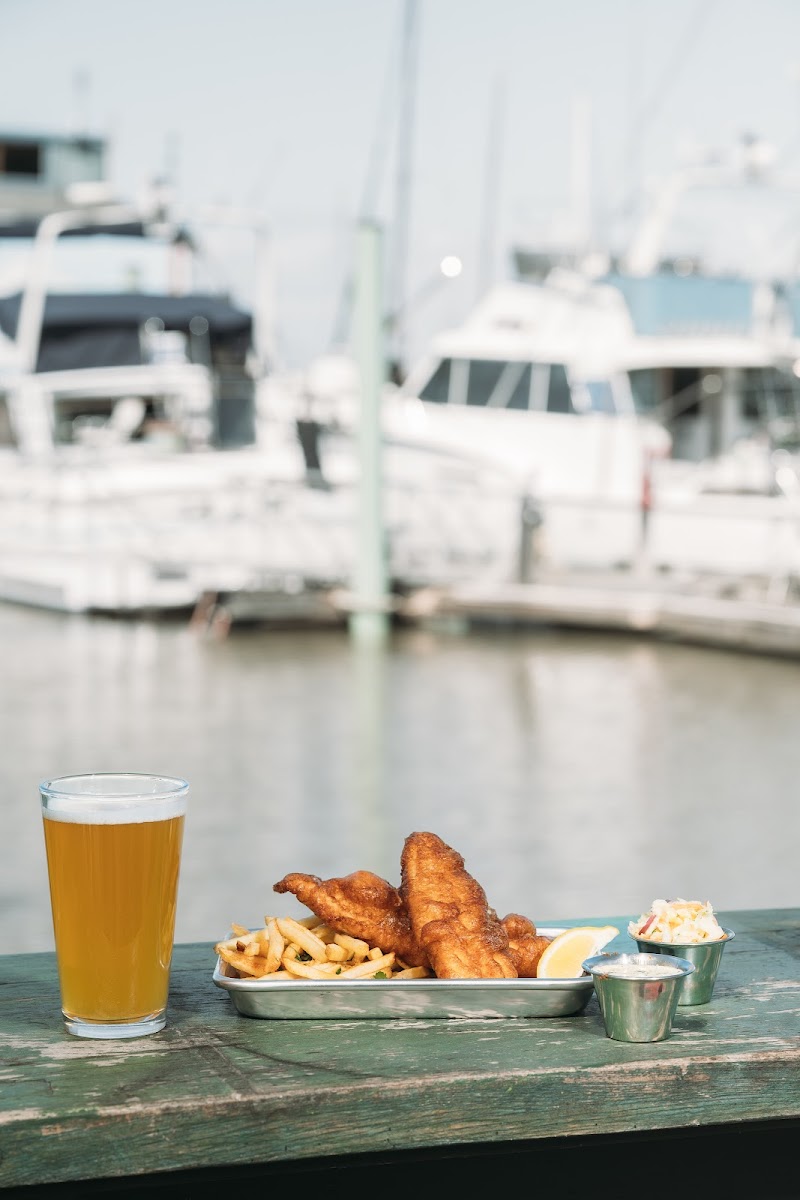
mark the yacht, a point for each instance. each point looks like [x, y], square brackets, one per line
[137, 472]
[710, 337]
[524, 384]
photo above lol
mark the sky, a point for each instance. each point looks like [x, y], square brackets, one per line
[460, 127]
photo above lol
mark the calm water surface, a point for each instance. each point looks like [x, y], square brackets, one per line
[580, 775]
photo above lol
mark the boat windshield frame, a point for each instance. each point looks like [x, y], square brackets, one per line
[521, 385]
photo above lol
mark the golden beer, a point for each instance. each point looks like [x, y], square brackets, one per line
[113, 858]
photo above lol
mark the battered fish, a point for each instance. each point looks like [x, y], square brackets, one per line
[362, 905]
[525, 945]
[450, 916]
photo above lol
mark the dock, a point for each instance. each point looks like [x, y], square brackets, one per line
[757, 616]
[761, 616]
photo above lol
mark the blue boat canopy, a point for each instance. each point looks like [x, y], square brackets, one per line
[104, 328]
[667, 304]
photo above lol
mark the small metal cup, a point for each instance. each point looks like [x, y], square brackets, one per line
[637, 1009]
[704, 956]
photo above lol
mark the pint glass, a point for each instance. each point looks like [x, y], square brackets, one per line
[113, 846]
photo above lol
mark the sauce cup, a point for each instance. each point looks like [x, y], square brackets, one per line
[705, 958]
[638, 993]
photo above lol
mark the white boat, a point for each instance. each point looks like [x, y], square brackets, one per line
[643, 401]
[122, 412]
[527, 383]
[525, 380]
[68, 356]
[136, 473]
[713, 353]
[522, 386]
[709, 332]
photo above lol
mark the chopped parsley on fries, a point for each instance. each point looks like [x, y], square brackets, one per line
[286, 949]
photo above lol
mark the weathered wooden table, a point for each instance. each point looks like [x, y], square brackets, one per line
[220, 1101]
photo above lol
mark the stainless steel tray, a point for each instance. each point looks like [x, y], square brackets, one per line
[359, 999]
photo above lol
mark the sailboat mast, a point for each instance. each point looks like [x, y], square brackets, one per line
[398, 277]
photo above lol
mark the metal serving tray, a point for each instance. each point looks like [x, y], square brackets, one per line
[359, 999]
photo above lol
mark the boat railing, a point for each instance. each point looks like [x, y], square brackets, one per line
[224, 523]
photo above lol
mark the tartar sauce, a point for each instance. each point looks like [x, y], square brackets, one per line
[640, 970]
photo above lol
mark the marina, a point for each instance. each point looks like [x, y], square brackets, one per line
[399, 597]
[647, 406]
[139, 470]
[155, 457]
[190, 538]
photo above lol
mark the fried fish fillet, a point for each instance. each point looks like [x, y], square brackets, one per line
[362, 905]
[525, 945]
[450, 916]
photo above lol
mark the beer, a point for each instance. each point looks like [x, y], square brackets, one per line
[113, 861]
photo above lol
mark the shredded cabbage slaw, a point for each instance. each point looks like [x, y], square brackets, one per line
[678, 922]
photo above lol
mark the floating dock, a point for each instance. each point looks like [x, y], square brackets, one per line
[761, 616]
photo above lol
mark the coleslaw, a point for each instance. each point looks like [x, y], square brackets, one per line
[678, 922]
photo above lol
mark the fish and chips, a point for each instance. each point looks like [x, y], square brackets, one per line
[450, 915]
[361, 904]
[525, 945]
[437, 923]
[307, 949]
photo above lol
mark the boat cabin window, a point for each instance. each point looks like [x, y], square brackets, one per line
[671, 393]
[499, 384]
[438, 386]
[770, 395]
[493, 383]
[482, 382]
[598, 395]
[79, 418]
[559, 396]
[20, 158]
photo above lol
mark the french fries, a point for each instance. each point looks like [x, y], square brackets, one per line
[288, 948]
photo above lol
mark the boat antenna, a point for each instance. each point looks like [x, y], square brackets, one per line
[687, 43]
[81, 89]
[491, 176]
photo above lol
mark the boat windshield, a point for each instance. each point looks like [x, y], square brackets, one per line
[496, 383]
[599, 396]
[90, 264]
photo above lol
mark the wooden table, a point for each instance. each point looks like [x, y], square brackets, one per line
[218, 1100]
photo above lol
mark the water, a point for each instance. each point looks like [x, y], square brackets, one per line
[580, 775]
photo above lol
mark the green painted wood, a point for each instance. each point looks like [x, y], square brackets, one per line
[215, 1089]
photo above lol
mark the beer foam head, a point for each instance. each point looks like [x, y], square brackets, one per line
[113, 799]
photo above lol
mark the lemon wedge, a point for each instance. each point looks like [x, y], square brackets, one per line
[562, 959]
